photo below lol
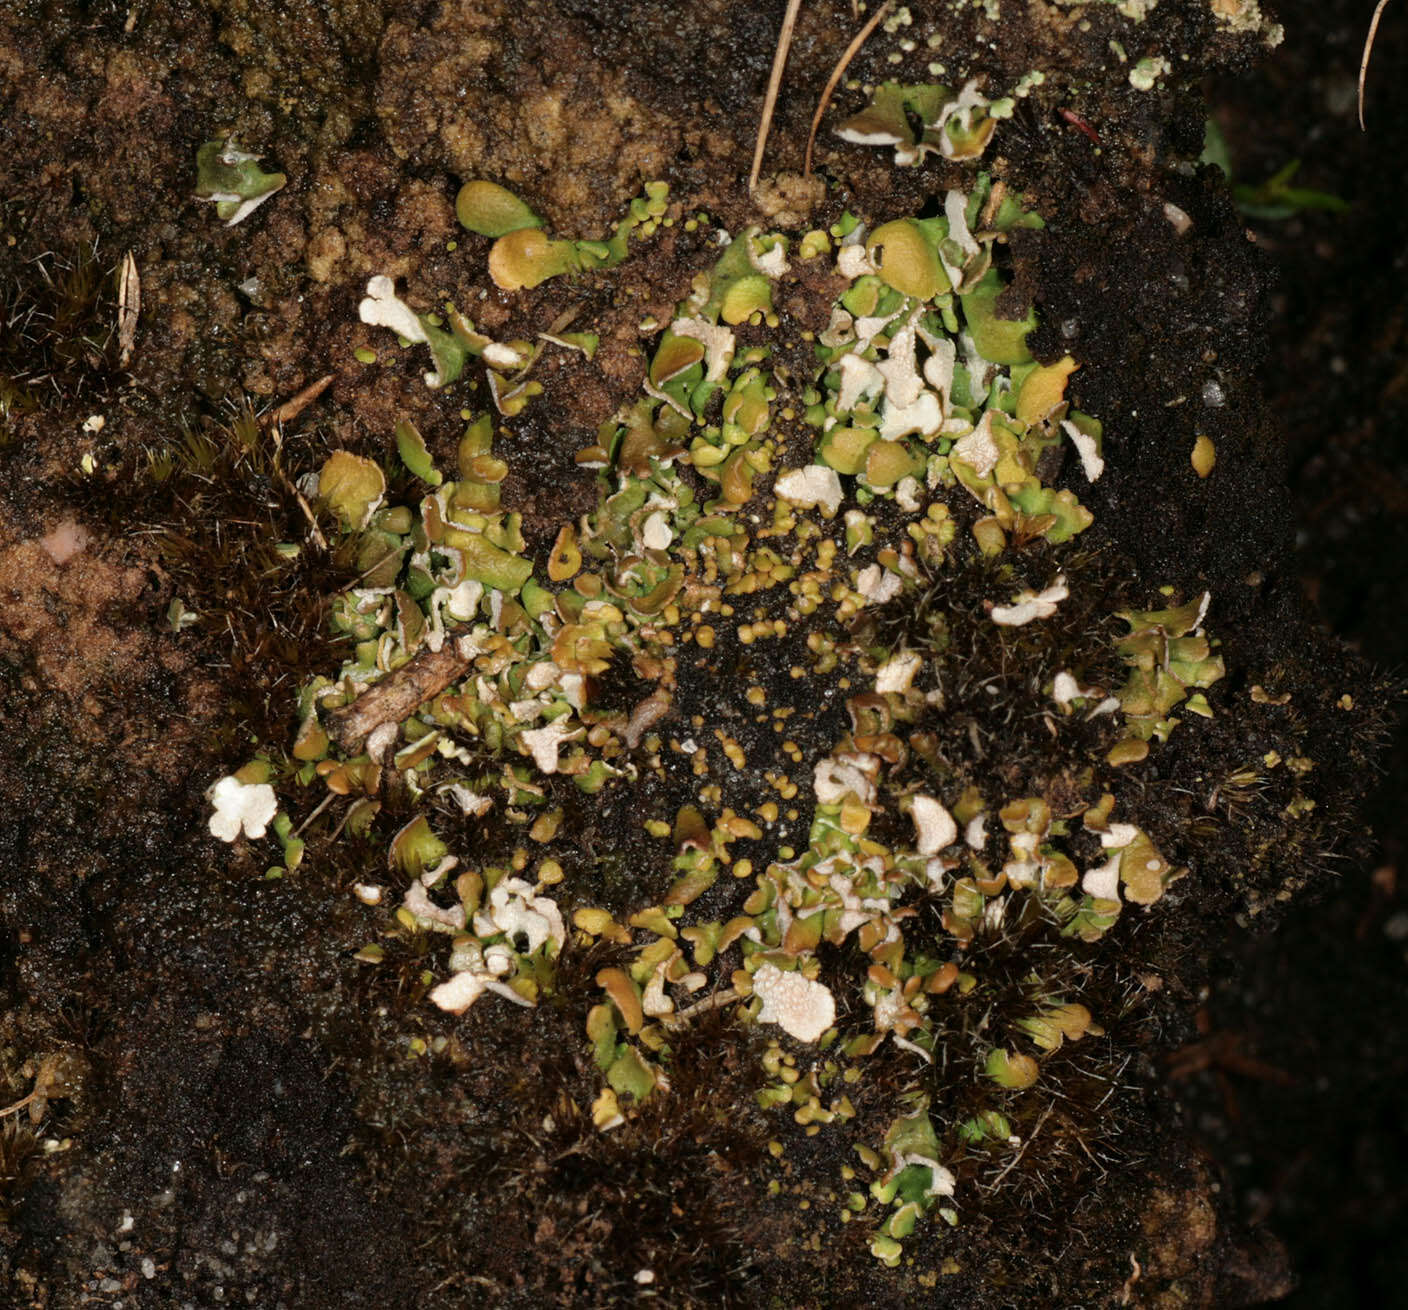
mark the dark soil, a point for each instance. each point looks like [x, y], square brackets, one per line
[237, 1121]
[1316, 1152]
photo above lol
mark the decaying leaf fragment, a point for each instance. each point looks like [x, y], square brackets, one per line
[129, 308]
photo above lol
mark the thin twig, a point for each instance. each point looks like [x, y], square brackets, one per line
[341, 824]
[276, 419]
[20, 1104]
[715, 1002]
[292, 408]
[779, 62]
[562, 321]
[837, 73]
[1022, 1150]
[327, 800]
[314, 530]
[1364, 62]
[425, 674]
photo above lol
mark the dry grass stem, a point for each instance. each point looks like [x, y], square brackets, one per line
[129, 308]
[20, 1104]
[779, 62]
[1368, 48]
[291, 409]
[286, 413]
[715, 1002]
[837, 73]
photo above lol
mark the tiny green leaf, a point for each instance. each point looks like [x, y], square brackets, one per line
[414, 455]
[352, 487]
[232, 178]
[491, 210]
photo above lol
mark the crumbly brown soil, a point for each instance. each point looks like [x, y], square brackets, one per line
[248, 1129]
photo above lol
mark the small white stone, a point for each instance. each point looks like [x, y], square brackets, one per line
[367, 892]
[1087, 448]
[897, 674]
[801, 1008]
[878, 584]
[543, 743]
[656, 532]
[1104, 882]
[65, 541]
[933, 824]
[241, 806]
[1030, 605]
[978, 449]
[814, 485]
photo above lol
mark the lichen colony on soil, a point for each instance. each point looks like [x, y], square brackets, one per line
[769, 697]
[821, 887]
[926, 400]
